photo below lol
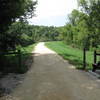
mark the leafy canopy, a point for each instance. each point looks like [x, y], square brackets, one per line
[10, 10]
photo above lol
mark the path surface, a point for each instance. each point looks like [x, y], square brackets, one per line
[52, 78]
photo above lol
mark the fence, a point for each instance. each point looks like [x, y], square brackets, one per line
[15, 61]
[95, 56]
[10, 61]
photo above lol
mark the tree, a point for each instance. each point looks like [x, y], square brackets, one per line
[92, 9]
[10, 11]
[77, 30]
[83, 27]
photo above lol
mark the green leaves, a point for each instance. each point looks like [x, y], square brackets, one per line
[10, 11]
[83, 28]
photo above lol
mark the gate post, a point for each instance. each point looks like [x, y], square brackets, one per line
[84, 58]
[95, 58]
[20, 62]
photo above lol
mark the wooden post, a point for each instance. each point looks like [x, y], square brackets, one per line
[95, 58]
[84, 58]
[19, 56]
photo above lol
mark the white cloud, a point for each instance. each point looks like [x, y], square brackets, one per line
[46, 9]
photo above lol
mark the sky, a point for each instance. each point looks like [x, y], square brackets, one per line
[53, 12]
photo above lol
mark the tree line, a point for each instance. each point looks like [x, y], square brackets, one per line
[21, 33]
[83, 28]
[14, 27]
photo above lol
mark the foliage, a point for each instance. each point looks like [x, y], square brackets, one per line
[21, 33]
[83, 28]
[45, 33]
[10, 11]
[21, 9]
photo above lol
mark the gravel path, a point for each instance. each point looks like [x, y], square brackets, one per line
[52, 78]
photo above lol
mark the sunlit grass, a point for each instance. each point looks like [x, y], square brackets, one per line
[28, 49]
[73, 55]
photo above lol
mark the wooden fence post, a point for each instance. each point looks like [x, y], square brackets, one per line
[20, 60]
[84, 58]
[95, 58]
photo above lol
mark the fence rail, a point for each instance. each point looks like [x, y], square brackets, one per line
[95, 56]
[11, 59]
[15, 61]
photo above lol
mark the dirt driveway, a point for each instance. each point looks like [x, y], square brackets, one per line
[52, 78]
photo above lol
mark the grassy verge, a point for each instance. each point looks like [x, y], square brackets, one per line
[27, 57]
[73, 55]
[10, 63]
[27, 51]
[28, 48]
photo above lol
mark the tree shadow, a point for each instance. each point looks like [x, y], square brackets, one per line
[13, 72]
[14, 64]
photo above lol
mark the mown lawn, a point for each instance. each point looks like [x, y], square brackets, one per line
[73, 55]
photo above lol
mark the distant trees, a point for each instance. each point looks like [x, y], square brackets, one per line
[21, 33]
[10, 11]
[83, 28]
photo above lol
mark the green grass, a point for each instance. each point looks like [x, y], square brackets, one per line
[10, 63]
[73, 55]
[28, 49]
[26, 53]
